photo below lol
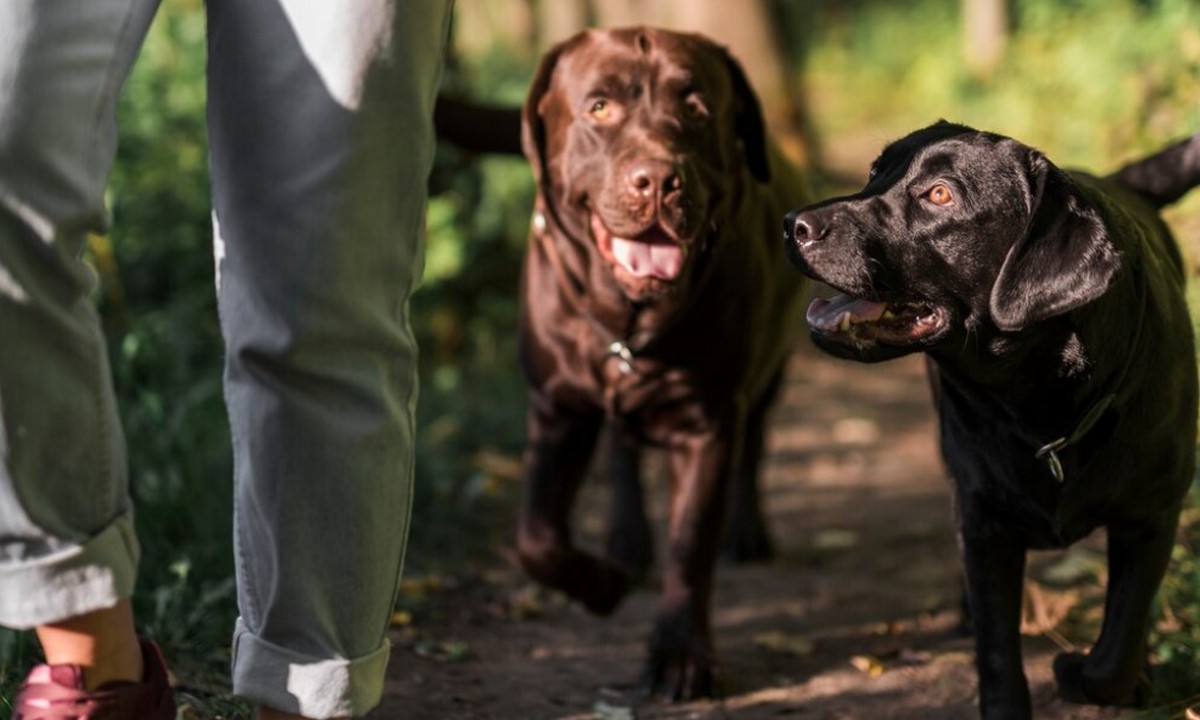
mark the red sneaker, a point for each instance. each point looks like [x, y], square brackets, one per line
[55, 692]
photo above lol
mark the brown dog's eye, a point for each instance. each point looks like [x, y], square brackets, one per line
[940, 194]
[694, 104]
[600, 109]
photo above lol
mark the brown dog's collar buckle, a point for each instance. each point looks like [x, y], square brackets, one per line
[1049, 453]
[624, 356]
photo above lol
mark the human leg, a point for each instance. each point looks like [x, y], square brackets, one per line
[321, 137]
[68, 553]
[103, 641]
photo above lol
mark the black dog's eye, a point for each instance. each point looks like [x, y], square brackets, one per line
[872, 173]
[940, 194]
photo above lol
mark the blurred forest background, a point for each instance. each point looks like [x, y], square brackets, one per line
[1091, 82]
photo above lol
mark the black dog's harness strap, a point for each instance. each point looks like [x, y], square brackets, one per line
[1049, 451]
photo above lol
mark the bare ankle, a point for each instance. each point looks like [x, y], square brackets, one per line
[104, 643]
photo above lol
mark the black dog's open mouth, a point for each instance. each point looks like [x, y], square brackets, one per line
[653, 253]
[863, 323]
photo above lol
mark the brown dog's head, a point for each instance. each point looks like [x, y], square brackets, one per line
[636, 136]
[957, 231]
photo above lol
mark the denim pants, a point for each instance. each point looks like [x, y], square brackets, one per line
[321, 144]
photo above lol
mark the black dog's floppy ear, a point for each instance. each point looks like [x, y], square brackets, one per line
[748, 121]
[1064, 260]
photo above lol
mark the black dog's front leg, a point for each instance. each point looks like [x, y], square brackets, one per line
[682, 664]
[995, 568]
[1111, 673]
[559, 450]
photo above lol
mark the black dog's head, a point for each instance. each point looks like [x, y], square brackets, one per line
[956, 231]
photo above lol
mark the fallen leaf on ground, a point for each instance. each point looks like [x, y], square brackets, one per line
[780, 642]
[442, 651]
[867, 665]
[401, 618]
[835, 539]
[526, 603]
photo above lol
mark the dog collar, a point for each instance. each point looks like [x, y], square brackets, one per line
[624, 355]
[1049, 451]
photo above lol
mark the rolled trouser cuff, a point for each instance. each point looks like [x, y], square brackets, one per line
[72, 580]
[285, 680]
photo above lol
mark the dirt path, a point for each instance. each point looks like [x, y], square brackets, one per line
[854, 619]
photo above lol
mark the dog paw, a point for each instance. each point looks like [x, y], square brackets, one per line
[1068, 674]
[680, 676]
[681, 665]
[1074, 686]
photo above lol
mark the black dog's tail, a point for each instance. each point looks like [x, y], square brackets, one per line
[1165, 176]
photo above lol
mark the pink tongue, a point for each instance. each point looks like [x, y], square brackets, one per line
[827, 315]
[658, 260]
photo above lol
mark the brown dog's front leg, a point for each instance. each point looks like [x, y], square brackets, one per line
[682, 664]
[630, 541]
[746, 537]
[559, 449]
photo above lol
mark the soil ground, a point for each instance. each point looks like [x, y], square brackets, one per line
[855, 618]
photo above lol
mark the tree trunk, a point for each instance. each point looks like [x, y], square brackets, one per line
[985, 30]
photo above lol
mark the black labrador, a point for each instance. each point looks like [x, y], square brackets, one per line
[1050, 305]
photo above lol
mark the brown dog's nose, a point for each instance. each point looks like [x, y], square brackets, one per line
[647, 178]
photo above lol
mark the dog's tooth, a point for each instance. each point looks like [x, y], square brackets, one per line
[888, 314]
[844, 322]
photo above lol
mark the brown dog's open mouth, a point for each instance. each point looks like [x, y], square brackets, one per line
[865, 322]
[653, 253]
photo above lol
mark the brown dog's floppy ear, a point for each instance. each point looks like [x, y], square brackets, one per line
[533, 127]
[748, 121]
[1064, 260]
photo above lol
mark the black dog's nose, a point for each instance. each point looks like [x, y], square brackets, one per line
[800, 227]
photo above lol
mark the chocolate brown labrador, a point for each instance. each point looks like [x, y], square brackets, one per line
[1050, 306]
[654, 302]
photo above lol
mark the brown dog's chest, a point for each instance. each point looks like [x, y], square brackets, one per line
[649, 393]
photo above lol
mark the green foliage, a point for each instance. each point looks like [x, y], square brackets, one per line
[1091, 82]
[472, 399]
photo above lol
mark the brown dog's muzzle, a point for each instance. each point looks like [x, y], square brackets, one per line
[654, 183]
[641, 223]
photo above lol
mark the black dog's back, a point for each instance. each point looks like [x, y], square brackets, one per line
[1165, 176]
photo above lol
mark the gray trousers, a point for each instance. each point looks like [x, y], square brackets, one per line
[321, 139]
